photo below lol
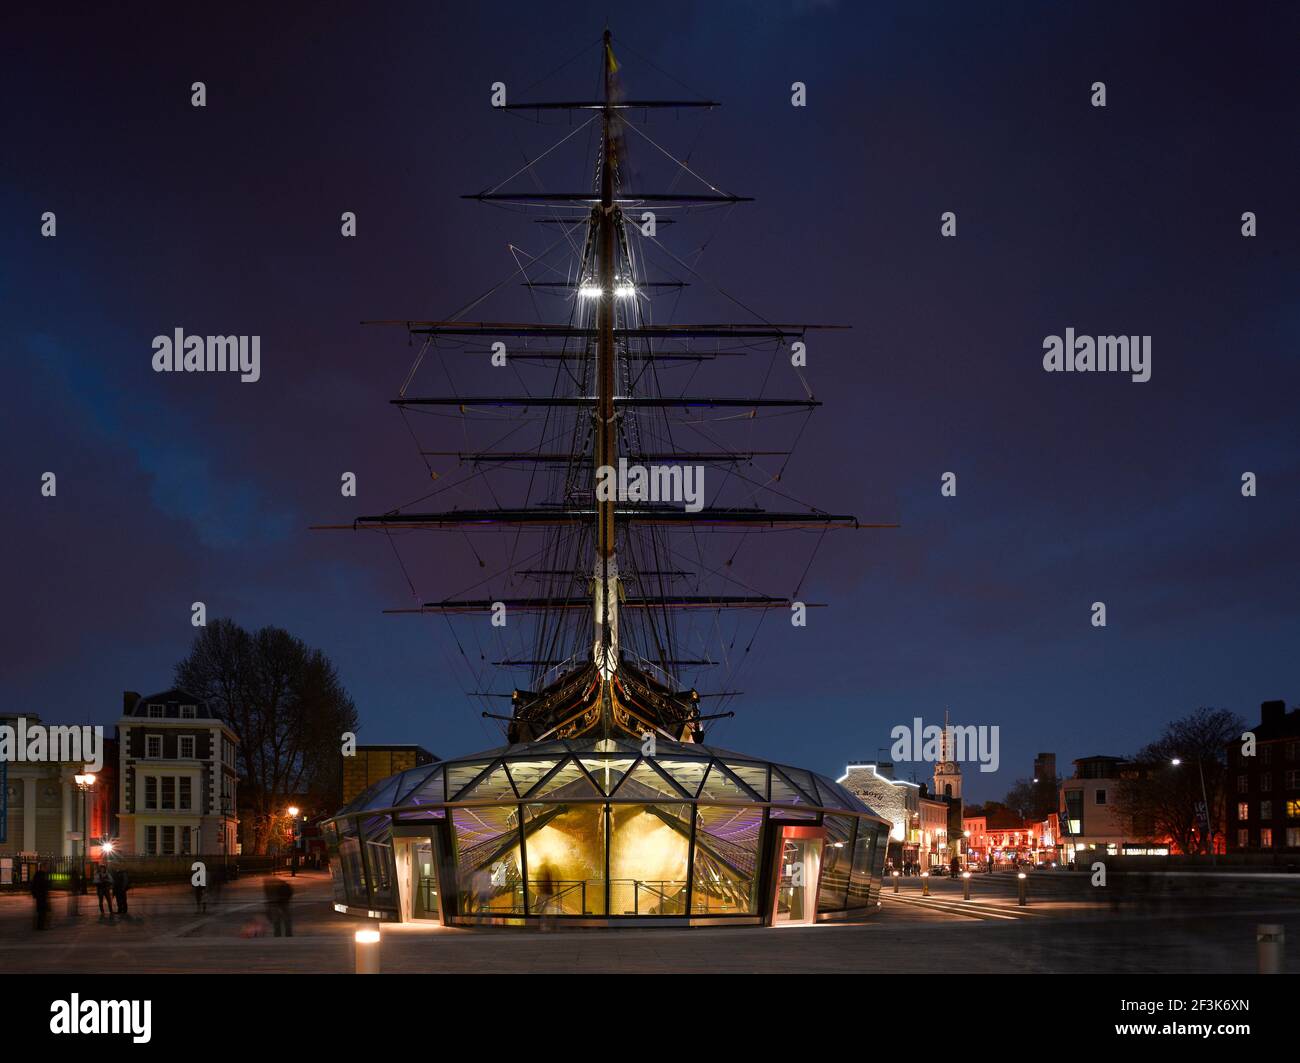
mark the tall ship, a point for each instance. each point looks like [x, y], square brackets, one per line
[618, 498]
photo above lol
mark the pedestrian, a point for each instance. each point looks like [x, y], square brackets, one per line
[103, 888]
[121, 883]
[279, 897]
[41, 897]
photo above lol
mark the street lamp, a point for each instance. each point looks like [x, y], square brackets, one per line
[1205, 802]
[85, 783]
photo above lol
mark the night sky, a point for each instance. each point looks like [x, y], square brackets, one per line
[1071, 488]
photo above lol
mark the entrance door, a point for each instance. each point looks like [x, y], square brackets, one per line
[798, 869]
[425, 901]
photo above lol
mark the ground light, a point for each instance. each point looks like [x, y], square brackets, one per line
[367, 951]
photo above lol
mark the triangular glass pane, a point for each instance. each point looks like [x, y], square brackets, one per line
[429, 792]
[689, 773]
[643, 783]
[382, 797]
[569, 782]
[461, 775]
[412, 780]
[785, 793]
[719, 786]
[752, 775]
[528, 772]
[607, 771]
[801, 779]
[495, 786]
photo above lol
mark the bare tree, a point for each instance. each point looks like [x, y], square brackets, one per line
[1161, 798]
[287, 705]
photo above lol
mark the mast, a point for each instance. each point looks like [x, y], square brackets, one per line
[606, 575]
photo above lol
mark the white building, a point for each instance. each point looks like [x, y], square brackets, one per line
[177, 778]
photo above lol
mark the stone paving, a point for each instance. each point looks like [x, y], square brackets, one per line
[911, 933]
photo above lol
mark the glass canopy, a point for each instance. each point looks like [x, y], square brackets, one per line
[593, 829]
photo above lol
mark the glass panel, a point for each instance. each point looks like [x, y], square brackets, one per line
[460, 776]
[837, 858]
[528, 773]
[648, 850]
[414, 780]
[377, 837]
[429, 792]
[783, 793]
[488, 868]
[719, 786]
[752, 775]
[690, 773]
[801, 779]
[569, 782]
[566, 859]
[495, 786]
[424, 815]
[864, 849]
[646, 783]
[352, 870]
[424, 880]
[726, 860]
[607, 771]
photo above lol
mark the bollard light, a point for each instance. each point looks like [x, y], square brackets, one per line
[1023, 888]
[965, 885]
[367, 943]
[1270, 939]
[895, 881]
[925, 883]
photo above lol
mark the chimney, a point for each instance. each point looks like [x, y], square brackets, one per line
[129, 698]
[885, 769]
[1271, 712]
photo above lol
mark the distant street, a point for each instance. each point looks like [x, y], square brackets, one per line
[912, 933]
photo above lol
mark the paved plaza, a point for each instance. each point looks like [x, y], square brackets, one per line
[911, 933]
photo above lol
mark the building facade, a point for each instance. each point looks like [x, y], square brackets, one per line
[44, 812]
[178, 785]
[895, 800]
[1263, 796]
[371, 763]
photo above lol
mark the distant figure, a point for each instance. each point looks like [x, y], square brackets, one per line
[200, 901]
[104, 888]
[121, 883]
[41, 896]
[279, 897]
[956, 867]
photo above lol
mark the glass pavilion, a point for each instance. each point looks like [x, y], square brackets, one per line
[591, 831]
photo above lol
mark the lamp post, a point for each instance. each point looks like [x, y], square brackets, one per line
[1205, 801]
[85, 783]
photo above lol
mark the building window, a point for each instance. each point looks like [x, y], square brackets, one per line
[168, 792]
[1266, 810]
[186, 747]
[1293, 837]
[185, 840]
[1292, 809]
[187, 792]
[156, 711]
[1243, 839]
[189, 712]
[151, 792]
[153, 746]
[1243, 784]
[1266, 755]
[151, 840]
[1293, 780]
[169, 841]
[1293, 751]
[1243, 810]
[1101, 797]
[1266, 838]
[1266, 781]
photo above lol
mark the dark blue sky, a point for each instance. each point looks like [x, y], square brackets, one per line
[1072, 489]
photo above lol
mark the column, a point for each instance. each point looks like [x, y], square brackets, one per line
[69, 814]
[29, 814]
